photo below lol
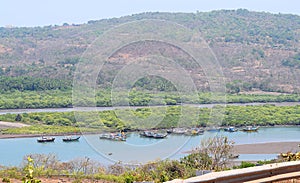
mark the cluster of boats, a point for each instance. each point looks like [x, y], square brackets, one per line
[121, 136]
[246, 129]
[186, 131]
[52, 139]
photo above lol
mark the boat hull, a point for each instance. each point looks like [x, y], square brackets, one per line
[71, 139]
[48, 139]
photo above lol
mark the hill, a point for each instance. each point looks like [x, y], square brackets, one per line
[257, 50]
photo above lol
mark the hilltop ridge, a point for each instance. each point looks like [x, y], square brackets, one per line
[257, 50]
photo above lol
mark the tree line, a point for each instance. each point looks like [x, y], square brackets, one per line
[27, 83]
[265, 115]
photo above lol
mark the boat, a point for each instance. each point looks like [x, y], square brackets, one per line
[230, 129]
[113, 136]
[186, 131]
[179, 131]
[46, 139]
[154, 135]
[195, 131]
[234, 156]
[250, 129]
[147, 134]
[70, 139]
[159, 135]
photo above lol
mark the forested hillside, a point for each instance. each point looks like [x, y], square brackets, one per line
[258, 51]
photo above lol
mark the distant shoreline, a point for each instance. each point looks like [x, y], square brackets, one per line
[13, 136]
[90, 109]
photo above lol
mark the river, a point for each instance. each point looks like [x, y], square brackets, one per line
[137, 149]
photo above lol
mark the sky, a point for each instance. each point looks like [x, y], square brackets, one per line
[29, 13]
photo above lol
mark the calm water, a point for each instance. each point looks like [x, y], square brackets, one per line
[136, 149]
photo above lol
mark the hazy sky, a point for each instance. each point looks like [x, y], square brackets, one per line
[51, 12]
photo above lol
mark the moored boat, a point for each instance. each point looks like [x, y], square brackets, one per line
[230, 129]
[195, 131]
[250, 129]
[113, 136]
[46, 139]
[70, 139]
[234, 156]
[159, 135]
[155, 135]
[147, 134]
[179, 131]
[186, 131]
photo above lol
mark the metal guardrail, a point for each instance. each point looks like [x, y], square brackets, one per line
[265, 173]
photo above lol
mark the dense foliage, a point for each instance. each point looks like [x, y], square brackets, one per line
[35, 99]
[109, 121]
[58, 99]
[32, 84]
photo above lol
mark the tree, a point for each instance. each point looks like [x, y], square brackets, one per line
[219, 149]
[18, 117]
[213, 154]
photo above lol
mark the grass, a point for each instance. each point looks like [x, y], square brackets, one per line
[46, 129]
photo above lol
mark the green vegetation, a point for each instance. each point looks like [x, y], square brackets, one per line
[292, 62]
[63, 122]
[32, 84]
[35, 99]
[59, 98]
[47, 129]
[29, 169]
[38, 65]
[245, 45]
[245, 164]
[42, 78]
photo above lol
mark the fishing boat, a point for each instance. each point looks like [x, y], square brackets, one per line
[234, 156]
[250, 129]
[194, 131]
[113, 136]
[230, 129]
[46, 139]
[154, 135]
[179, 131]
[159, 135]
[70, 138]
[146, 134]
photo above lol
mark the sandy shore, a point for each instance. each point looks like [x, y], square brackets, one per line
[4, 125]
[267, 148]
